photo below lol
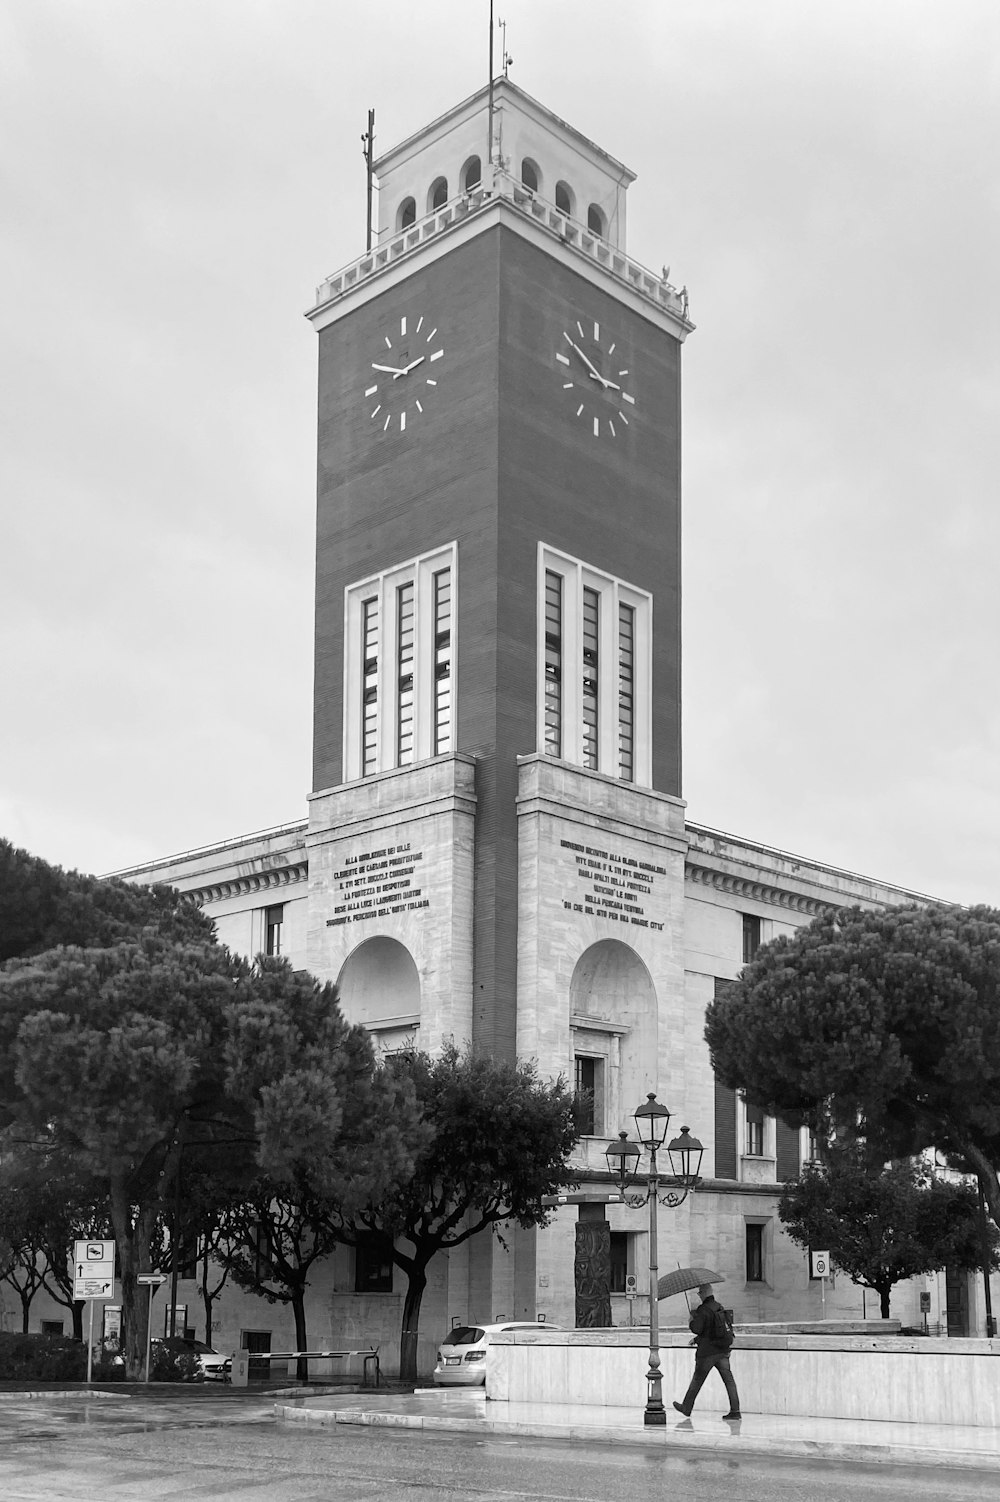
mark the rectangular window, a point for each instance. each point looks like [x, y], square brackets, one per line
[626, 692]
[372, 1267]
[274, 918]
[258, 1343]
[262, 1255]
[754, 1147]
[755, 1253]
[598, 713]
[589, 1081]
[369, 658]
[442, 662]
[591, 695]
[751, 937]
[553, 664]
[53, 1326]
[619, 1261]
[399, 665]
[404, 674]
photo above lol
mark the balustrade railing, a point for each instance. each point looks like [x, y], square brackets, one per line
[565, 228]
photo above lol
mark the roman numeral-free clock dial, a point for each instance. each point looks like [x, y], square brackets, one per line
[404, 373]
[597, 379]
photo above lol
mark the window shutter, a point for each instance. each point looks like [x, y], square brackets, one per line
[725, 1116]
[725, 1132]
[787, 1154]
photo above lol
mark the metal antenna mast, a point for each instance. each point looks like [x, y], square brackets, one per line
[367, 143]
[489, 123]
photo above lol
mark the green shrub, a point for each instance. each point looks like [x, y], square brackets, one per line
[41, 1358]
[173, 1366]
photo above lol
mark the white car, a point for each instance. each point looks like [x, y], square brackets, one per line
[461, 1359]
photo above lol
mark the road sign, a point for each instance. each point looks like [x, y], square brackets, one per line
[93, 1288]
[153, 1280]
[821, 1264]
[93, 1251]
[93, 1269]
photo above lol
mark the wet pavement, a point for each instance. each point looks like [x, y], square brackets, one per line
[756, 1434]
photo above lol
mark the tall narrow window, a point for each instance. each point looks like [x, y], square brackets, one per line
[589, 1095]
[755, 1254]
[442, 662]
[404, 674]
[553, 663]
[751, 937]
[591, 687]
[369, 651]
[372, 1266]
[594, 687]
[626, 692]
[399, 665]
[274, 918]
[755, 1132]
[619, 1261]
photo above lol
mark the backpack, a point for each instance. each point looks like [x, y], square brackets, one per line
[720, 1330]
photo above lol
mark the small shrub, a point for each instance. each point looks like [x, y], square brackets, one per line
[173, 1366]
[41, 1358]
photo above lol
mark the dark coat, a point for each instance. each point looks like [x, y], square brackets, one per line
[701, 1324]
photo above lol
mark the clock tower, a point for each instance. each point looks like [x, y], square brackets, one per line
[496, 836]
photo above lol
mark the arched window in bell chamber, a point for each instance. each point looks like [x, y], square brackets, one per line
[438, 195]
[531, 178]
[564, 199]
[406, 214]
[472, 174]
[596, 221]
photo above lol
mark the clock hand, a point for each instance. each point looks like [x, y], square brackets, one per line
[392, 370]
[413, 364]
[596, 374]
[612, 385]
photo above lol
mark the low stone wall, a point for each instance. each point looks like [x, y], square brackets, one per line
[894, 1378]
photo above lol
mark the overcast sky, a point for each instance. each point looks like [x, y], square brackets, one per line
[178, 175]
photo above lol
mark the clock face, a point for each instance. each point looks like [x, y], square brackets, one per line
[403, 374]
[596, 378]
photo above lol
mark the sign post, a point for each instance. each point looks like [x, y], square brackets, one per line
[93, 1278]
[152, 1282]
[821, 1270]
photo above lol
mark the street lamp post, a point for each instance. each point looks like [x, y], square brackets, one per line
[685, 1152]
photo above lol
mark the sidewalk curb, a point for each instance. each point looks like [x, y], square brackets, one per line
[727, 1443]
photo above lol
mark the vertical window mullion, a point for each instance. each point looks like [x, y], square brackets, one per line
[442, 690]
[369, 685]
[404, 673]
[626, 692]
[590, 686]
[553, 663]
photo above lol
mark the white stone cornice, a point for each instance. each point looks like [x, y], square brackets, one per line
[757, 891]
[259, 881]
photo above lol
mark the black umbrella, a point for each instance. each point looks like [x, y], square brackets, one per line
[684, 1278]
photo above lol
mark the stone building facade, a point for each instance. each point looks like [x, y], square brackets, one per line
[496, 848]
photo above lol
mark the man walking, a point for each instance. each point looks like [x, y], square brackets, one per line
[714, 1338]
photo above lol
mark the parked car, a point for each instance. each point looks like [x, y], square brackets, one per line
[461, 1357]
[212, 1365]
[205, 1363]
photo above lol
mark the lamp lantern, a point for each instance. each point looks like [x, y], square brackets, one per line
[652, 1120]
[623, 1159]
[685, 1154]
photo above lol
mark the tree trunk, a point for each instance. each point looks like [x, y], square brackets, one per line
[416, 1283]
[132, 1238]
[301, 1343]
[884, 1290]
[25, 1297]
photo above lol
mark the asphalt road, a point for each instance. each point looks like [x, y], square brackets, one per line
[72, 1450]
